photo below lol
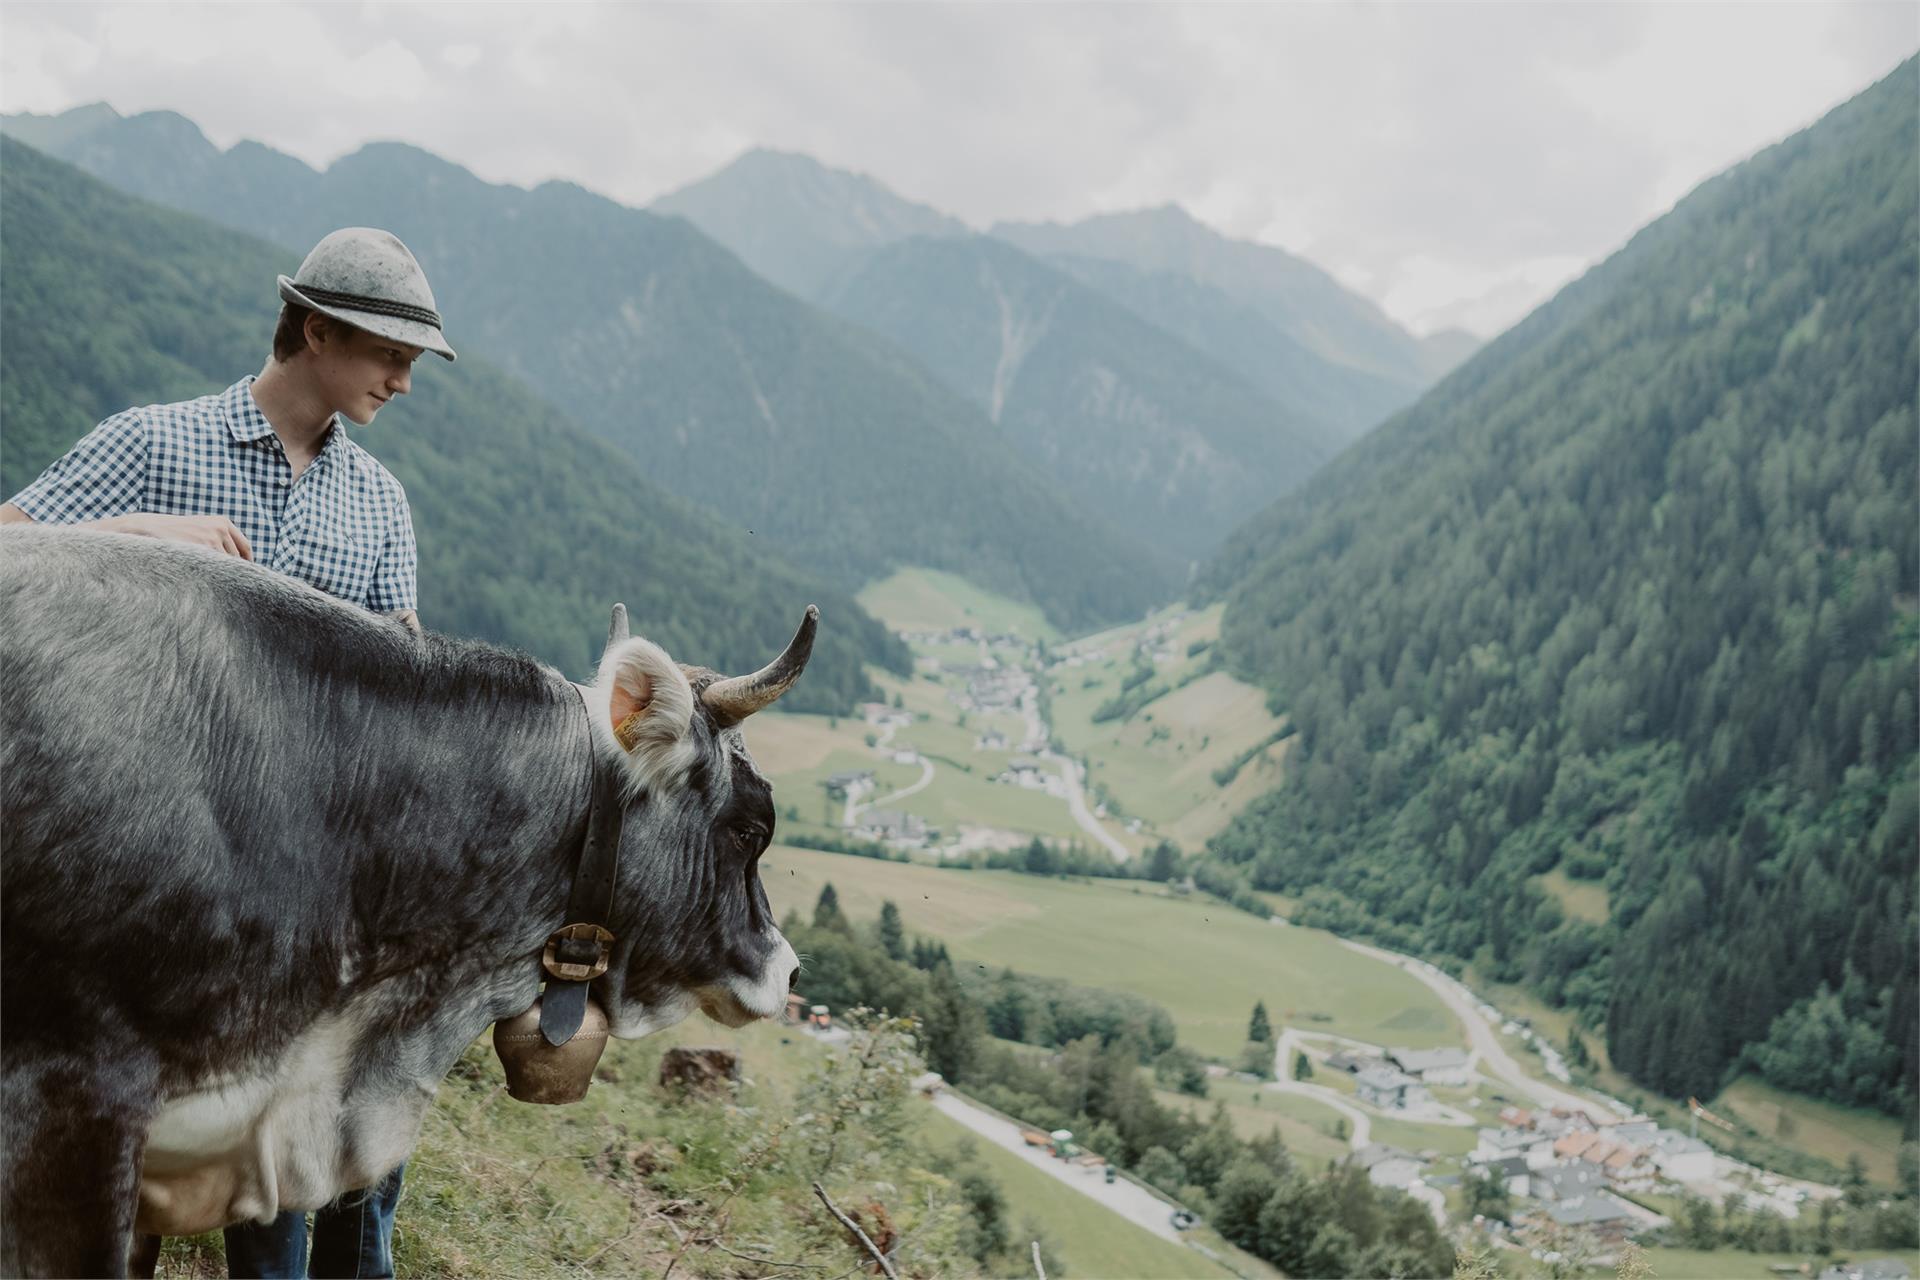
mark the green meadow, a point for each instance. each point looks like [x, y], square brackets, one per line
[1206, 963]
[931, 600]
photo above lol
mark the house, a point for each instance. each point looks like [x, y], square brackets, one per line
[1877, 1269]
[1498, 1144]
[1681, 1158]
[1386, 1166]
[848, 781]
[893, 825]
[1352, 1063]
[1388, 1089]
[1434, 1066]
[1513, 1173]
[1600, 1214]
[1571, 1146]
[1639, 1132]
[991, 740]
[1516, 1117]
[1568, 1181]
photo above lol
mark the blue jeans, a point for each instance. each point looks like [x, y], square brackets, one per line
[352, 1237]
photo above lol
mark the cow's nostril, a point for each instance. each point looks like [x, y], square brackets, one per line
[793, 978]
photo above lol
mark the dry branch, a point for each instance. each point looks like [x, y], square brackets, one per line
[854, 1227]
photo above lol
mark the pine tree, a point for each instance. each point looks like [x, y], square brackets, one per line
[893, 937]
[1302, 1068]
[1259, 1029]
[826, 911]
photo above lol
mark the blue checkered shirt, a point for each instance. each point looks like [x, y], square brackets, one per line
[344, 526]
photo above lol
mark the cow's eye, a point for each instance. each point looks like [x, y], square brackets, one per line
[747, 839]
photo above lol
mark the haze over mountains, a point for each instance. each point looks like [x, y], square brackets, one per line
[817, 437]
[528, 527]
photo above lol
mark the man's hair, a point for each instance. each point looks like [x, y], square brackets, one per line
[290, 334]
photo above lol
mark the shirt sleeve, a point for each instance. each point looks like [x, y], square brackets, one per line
[394, 578]
[103, 475]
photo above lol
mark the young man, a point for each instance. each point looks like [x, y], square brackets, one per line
[264, 471]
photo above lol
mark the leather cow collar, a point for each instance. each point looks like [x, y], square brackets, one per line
[580, 950]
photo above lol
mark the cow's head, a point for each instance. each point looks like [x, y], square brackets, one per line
[692, 924]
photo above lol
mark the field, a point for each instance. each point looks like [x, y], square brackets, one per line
[1819, 1128]
[1158, 764]
[1206, 963]
[1305, 1126]
[1580, 899]
[1092, 1240]
[930, 600]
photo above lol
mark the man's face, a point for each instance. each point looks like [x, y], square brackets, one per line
[358, 372]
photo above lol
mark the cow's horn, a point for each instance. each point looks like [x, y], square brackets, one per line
[617, 629]
[737, 697]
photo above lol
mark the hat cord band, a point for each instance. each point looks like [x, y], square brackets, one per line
[378, 306]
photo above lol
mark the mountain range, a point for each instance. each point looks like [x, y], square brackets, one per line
[826, 443]
[529, 528]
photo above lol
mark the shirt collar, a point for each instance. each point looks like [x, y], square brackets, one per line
[247, 424]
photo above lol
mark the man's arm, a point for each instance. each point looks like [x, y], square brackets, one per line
[215, 532]
[98, 484]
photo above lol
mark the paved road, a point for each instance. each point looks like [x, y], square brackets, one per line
[926, 776]
[1485, 1039]
[1123, 1197]
[1360, 1123]
[1077, 806]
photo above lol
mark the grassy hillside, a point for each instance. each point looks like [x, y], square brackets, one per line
[1631, 595]
[1196, 750]
[825, 443]
[913, 599]
[1208, 964]
[528, 528]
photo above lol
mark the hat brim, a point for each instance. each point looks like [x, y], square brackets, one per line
[412, 332]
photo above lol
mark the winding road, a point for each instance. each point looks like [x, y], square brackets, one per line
[1283, 1082]
[1485, 1039]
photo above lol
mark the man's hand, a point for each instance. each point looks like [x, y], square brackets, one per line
[215, 532]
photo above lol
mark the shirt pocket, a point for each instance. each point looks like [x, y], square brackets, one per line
[336, 562]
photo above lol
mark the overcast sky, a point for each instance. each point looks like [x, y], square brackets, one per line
[1455, 162]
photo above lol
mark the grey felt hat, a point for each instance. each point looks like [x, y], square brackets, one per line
[366, 278]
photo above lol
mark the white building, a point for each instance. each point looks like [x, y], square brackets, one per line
[1434, 1066]
[1681, 1158]
[1388, 1089]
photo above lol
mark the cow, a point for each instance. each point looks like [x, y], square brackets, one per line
[269, 863]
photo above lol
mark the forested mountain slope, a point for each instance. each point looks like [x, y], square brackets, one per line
[801, 224]
[1126, 417]
[1632, 595]
[528, 528]
[825, 441]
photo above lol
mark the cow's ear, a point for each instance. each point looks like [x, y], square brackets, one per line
[649, 706]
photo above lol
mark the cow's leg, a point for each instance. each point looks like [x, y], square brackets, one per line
[72, 1166]
[144, 1259]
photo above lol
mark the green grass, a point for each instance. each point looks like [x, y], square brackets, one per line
[1580, 899]
[1092, 1240]
[1447, 1139]
[1723, 1264]
[1159, 764]
[1822, 1129]
[931, 600]
[1305, 1125]
[1205, 962]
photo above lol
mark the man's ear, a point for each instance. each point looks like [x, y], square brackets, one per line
[649, 710]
